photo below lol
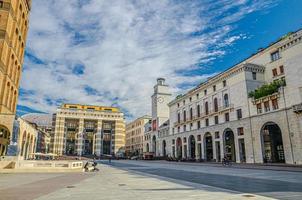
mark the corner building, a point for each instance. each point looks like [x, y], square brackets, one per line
[14, 15]
[154, 145]
[251, 112]
[89, 130]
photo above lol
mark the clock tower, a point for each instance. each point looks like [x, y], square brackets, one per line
[160, 99]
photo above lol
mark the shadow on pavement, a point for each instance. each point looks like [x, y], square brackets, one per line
[228, 182]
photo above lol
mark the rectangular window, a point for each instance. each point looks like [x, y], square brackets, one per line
[185, 140]
[239, 114]
[216, 120]
[178, 129]
[198, 125]
[216, 135]
[281, 69]
[190, 99]
[154, 125]
[173, 141]
[185, 128]
[198, 137]
[254, 74]
[205, 92]
[185, 116]
[197, 96]
[259, 108]
[240, 131]
[224, 83]
[178, 117]
[227, 117]
[266, 106]
[275, 73]
[275, 56]
[191, 126]
[207, 122]
[214, 88]
[275, 104]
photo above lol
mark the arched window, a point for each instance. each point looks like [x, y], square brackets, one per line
[9, 104]
[206, 107]
[226, 100]
[215, 105]
[7, 93]
[14, 101]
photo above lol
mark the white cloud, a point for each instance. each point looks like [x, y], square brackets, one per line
[124, 45]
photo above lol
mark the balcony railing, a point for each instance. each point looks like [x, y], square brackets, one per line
[205, 114]
[297, 108]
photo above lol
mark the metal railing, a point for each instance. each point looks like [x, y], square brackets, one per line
[205, 114]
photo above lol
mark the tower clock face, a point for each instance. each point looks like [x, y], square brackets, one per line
[160, 100]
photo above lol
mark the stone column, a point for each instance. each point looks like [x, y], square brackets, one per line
[185, 151]
[203, 152]
[98, 139]
[214, 148]
[222, 149]
[79, 144]
[80, 138]
[197, 153]
[237, 149]
[59, 137]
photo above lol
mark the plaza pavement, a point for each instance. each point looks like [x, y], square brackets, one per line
[142, 180]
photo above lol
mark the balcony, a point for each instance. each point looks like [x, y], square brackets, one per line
[297, 108]
[202, 115]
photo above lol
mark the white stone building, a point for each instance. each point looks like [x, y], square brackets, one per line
[160, 115]
[221, 117]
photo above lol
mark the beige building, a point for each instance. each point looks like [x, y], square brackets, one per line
[13, 32]
[27, 139]
[89, 130]
[43, 123]
[252, 112]
[135, 136]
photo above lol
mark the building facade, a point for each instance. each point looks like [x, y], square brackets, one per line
[251, 112]
[135, 136]
[160, 117]
[13, 32]
[43, 123]
[89, 130]
[27, 139]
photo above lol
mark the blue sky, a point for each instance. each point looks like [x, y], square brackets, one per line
[110, 53]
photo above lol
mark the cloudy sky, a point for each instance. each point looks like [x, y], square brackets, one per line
[108, 52]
